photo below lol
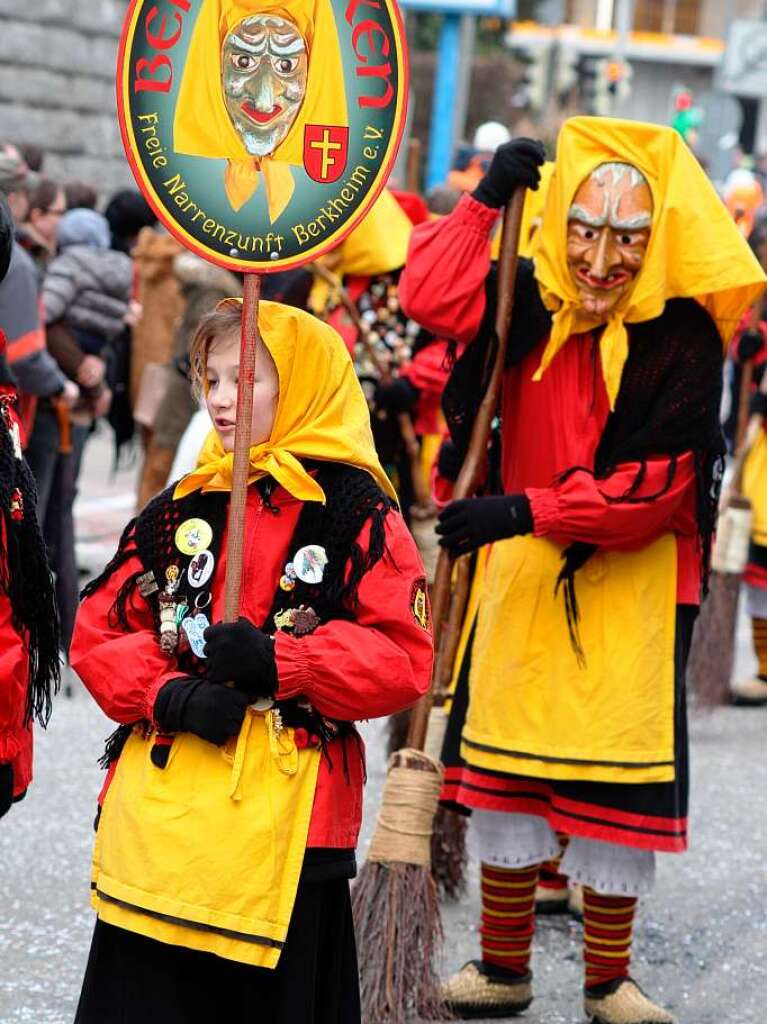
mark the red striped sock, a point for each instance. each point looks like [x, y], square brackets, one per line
[607, 927]
[551, 877]
[759, 632]
[508, 916]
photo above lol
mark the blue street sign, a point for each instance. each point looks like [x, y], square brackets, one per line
[483, 8]
[449, 58]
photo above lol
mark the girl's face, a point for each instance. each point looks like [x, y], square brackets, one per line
[222, 373]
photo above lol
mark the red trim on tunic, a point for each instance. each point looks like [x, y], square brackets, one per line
[512, 794]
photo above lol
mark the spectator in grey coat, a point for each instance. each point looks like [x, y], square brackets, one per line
[88, 284]
[35, 371]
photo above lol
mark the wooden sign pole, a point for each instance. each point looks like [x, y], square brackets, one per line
[249, 339]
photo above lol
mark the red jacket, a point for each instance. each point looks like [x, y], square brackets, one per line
[15, 731]
[554, 424]
[379, 664]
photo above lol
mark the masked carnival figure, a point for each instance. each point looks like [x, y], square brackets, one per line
[610, 453]
[29, 632]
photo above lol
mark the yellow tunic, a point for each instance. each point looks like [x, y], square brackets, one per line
[755, 487]
[533, 709]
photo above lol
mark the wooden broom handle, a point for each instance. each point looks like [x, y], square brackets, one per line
[746, 437]
[444, 664]
[744, 400]
[249, 338]
[471, 472]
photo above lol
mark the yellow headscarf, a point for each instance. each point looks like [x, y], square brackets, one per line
[695, 250]
[202, 127]
[321, 412]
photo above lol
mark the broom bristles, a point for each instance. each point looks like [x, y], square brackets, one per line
[399, 936]
[710, 665]
[449, 858]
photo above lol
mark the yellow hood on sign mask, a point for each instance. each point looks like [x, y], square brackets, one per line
[202, 126]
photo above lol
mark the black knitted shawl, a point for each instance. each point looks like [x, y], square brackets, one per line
[25, 578]
[668, 403]
[352, 498]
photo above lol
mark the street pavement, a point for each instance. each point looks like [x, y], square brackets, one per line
[701, 938]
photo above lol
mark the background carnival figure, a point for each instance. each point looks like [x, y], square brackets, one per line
[625, 252]
[29, 641]
[331, 581]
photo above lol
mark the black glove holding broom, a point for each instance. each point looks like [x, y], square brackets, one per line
[471, 523]
[236, 652]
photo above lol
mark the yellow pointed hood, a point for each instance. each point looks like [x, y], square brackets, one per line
[202, 127]
[321, 412]
[695, 250]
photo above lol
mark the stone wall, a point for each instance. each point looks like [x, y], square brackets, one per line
[57, 71]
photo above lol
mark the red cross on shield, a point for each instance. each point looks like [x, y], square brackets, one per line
[325, 152]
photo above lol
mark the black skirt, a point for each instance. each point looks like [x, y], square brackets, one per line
[130, 979]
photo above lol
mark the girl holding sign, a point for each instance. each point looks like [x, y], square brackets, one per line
[228, 823]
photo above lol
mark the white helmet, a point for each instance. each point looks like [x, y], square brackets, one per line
[490, 135]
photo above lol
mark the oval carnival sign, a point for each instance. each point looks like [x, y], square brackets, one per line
[261, 132]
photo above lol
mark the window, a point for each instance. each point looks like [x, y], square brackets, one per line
[672, 16]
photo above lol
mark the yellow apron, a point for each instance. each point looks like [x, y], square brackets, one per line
[755, 487]
[207, 852]
[533, 710]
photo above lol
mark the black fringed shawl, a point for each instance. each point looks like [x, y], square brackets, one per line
[25, 577]
[668, 404]
[352, 498]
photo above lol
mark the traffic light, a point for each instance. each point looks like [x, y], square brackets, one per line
[533, 87]
[565, 72]
[618, 74]
[687, 118]
[603, 82]
[592, 85]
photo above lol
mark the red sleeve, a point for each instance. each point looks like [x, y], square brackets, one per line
[744, 325]
[428, 370]
[379, 664]
[122, 671]
[585, 509]
[14, 679]
[443, 284]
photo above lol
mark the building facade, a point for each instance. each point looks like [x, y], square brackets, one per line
[57, 71]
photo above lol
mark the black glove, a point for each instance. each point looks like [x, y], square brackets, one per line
[6, 788]
[467, 525]
[212, 712]
[449, 461]
[241, 653]
[750, 343]
[514, 164]
[399, 396]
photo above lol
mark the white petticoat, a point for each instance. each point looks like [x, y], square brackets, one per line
[521, 840]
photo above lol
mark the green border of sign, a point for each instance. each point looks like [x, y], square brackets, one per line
[275, 263]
